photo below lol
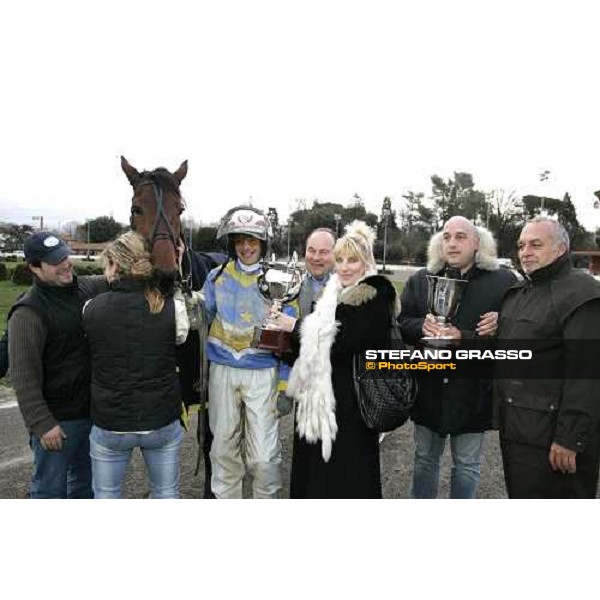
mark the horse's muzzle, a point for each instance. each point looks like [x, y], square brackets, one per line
[164, 258]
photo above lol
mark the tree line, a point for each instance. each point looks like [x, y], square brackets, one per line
[403, 231]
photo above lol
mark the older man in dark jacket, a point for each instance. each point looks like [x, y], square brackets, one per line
[550, 425]
[460, 408]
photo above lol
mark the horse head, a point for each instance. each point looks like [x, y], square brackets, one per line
[156, 209]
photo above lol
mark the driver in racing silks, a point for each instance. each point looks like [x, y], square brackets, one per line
[244, 382]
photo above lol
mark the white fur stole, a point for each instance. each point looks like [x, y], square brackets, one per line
[310, 380]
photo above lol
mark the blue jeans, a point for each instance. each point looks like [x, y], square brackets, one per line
[466, 461]
[64, 473]
[111, 453]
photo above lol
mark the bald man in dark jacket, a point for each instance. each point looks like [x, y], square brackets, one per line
[457, 407]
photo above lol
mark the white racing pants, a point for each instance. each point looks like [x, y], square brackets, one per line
[242, 402]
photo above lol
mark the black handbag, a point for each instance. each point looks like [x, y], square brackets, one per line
[384, 402]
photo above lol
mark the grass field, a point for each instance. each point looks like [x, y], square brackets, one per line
[9, 292]
[399, 285]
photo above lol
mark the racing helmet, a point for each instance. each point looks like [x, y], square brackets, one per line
[245, 220]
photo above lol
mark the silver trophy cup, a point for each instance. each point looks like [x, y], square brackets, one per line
[443, 300]
[279, 286]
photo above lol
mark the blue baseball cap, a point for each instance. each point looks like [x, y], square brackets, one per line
[45, 247]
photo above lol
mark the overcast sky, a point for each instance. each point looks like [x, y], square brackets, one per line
[279, 100]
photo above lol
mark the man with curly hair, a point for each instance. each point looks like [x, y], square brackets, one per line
[244, 382]
[50, 369]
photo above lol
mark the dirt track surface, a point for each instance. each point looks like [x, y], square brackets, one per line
[396, 458]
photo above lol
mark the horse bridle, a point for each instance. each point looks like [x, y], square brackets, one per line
[159, 215]
[170, 234]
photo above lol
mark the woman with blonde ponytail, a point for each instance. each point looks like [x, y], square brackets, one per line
[135, 400]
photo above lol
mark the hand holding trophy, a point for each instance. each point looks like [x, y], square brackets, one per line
[443, 300]
[279, 287]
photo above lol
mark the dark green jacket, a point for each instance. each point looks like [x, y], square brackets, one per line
[557, 309]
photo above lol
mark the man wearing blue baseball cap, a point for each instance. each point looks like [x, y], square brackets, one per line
[50, 369]
[45, 247]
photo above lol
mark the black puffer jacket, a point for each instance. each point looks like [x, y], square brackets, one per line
[134, 379]
[453, 406]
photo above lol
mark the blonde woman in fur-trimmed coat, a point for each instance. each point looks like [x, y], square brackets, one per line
[335, 455]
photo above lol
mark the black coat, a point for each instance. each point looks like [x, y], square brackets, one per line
[353, 471]
[453, 406]
[134, 378]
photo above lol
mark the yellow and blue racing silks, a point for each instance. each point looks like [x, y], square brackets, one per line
[234, 307]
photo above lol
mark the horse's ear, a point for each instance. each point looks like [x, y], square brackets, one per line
[131, 172]
[180, 174]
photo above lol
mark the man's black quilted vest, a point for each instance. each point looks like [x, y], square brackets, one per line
[66, 365]
[134, 377]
